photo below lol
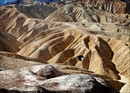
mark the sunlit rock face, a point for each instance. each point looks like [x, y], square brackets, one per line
[100, 52]
[81, 47]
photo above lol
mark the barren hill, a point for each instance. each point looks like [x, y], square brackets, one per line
[77, 39]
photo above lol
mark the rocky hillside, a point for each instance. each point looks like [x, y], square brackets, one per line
[81, 47]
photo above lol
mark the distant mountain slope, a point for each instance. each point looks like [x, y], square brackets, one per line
[36, 11]
[8, 43]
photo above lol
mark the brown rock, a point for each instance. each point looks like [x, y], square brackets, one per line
[8, 42]
[83, 30]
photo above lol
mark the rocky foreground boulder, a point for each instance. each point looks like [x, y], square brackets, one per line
[45, 78]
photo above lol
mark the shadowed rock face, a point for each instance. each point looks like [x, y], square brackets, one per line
[8, 43]
[75, 39]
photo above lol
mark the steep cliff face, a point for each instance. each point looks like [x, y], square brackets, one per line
[74, 39]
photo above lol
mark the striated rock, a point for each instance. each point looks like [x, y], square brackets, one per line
[91, 18]
[8, 42]
[125, 88]
[11, 21]
[120, 60]
[13, 63]
[114, 6]
[82, 38]
[98, 55]
[97, 20]
[18, 21]
[58, 42]
[74, 13]
[36, 11]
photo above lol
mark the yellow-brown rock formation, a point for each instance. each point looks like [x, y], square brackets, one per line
[75, 39]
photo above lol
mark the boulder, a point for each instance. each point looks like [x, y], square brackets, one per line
[49, 80]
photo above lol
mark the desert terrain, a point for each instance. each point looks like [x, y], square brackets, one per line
[77, 47]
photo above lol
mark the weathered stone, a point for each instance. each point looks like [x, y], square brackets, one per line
[34, 79]
[77, 83]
